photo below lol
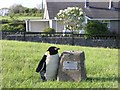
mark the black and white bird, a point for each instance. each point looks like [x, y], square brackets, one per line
[48, 65]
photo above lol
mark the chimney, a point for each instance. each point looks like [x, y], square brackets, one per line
[110, 4]
[86, 3]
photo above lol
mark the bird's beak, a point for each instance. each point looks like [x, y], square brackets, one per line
[57, 48]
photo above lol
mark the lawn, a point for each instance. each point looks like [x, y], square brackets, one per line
[20, 17]
[20, 59]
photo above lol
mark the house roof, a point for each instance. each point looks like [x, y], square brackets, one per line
[96, 10]
[54, 7]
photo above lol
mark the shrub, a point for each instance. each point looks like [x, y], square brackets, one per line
[13, 25]
[20, 27]
[8, 27]
[95, 28]
[5, 27]
[4, 21]
[49, 30]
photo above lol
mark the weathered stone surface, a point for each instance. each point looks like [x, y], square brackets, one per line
[72, 66]
[112, 43]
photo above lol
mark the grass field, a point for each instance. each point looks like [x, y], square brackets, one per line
[20, 59]
[20, 17]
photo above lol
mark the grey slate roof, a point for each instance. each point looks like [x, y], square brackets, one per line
[96, 10]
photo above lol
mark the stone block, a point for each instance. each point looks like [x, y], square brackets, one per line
[72, 66]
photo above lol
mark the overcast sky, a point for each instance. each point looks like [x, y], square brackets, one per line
[26, 3]
[34, 3]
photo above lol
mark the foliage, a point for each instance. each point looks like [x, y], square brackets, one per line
[20, 59]
[49, 30]
[17, 13]
[4, 21]
[16, 8]
[21, 17]
[95, 28]
[20, 10]
[13, 17]
[72, 17]
[14, 25]
[8, 27]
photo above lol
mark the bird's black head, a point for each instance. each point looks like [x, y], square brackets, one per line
[53, 50]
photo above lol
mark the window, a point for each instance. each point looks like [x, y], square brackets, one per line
[107, 23]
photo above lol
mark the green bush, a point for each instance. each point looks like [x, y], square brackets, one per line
[13, 25]
[4, 21]
[8, 27]
[95, 28]
[49, 30]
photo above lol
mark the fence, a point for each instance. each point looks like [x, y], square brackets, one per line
[60, 38]
[56, 34]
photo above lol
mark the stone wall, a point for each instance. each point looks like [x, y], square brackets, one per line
[112, 43]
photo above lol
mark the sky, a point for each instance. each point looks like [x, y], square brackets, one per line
[26, 3]
[32, 3]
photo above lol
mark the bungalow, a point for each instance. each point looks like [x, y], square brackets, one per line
[4, 11]
[107, 11]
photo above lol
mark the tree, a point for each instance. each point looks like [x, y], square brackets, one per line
[96, 28]
[72, 18]
[16, 8]
[34, 10]
[26, 10]
[13, 17]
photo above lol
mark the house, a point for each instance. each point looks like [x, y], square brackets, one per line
[106, 11]
[4, 11]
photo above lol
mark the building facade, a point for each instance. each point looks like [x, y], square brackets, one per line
[105, 11]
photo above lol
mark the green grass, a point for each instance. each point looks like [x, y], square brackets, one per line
[20, 17]
[20, 59]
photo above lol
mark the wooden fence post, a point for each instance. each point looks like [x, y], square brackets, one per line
[24, 35]
[72, 38]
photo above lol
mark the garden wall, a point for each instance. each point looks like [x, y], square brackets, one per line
[112, 43]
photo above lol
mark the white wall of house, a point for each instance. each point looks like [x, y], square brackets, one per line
[40, 25]
[114, 25]
[46, 14]
[4, 11]
[36, 26]
[56, 25]
[60, 27]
